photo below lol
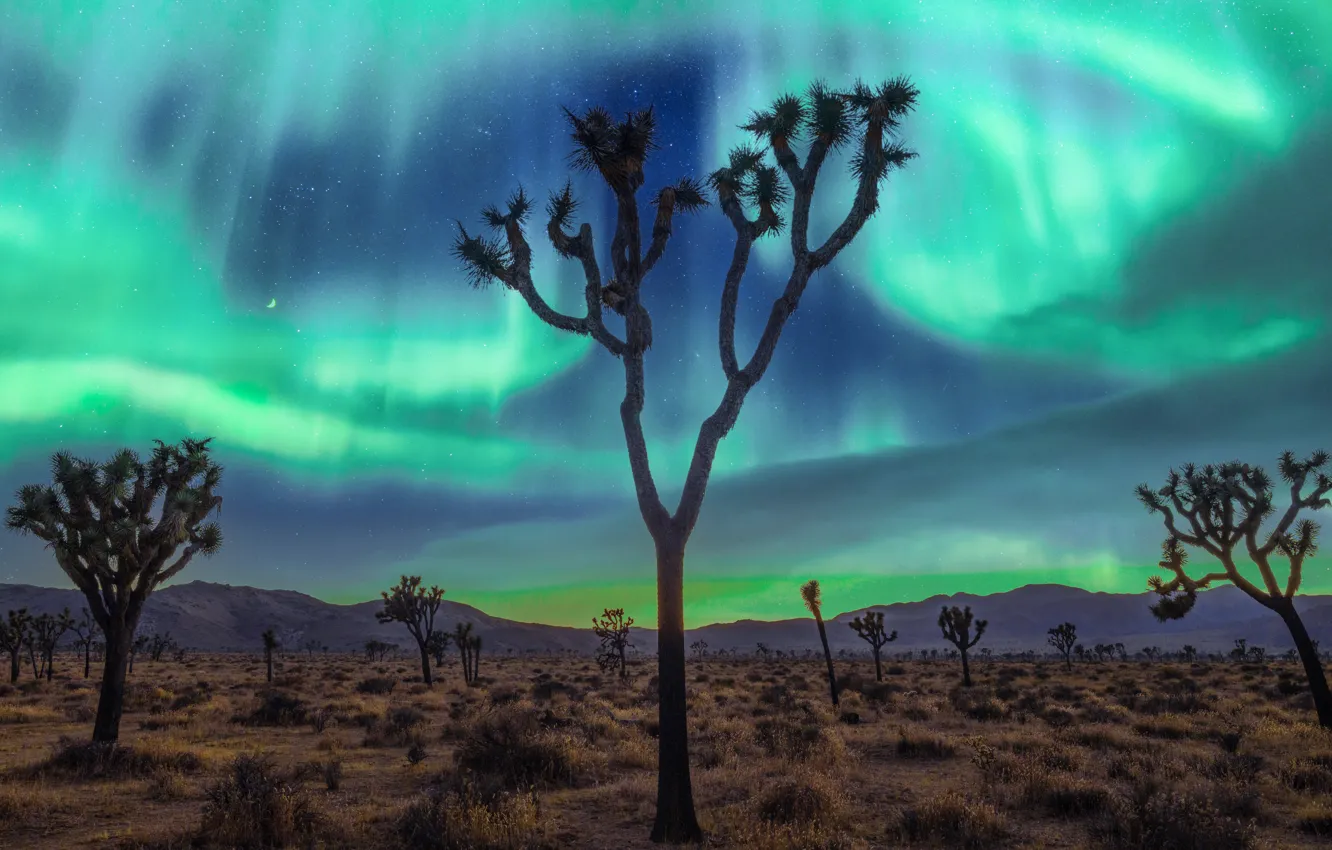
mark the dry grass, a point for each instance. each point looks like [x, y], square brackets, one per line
[547, 752]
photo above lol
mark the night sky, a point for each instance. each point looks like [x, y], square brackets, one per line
[1114, 254]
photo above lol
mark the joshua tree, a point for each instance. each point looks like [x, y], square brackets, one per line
[437, 644]
[1063, 638]
[870, 629]
[97, 518]
[1257, 654]
[613, 630]
[469, 647]
[414, 606]
[46, 633]
[828, 119]
[1226, 505]
[85, 635]
[1241, 650]
[15, 635]
[270, 640]
[1151, 653]
[1189, 652]
[311, 646]
[159, 644]
[700, 649]
[1080, 651]
[1118, 649]
[956, 626]
[813, 596]
[139, 644]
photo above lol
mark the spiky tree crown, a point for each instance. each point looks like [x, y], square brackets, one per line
[270, 640]
[98, 519]
[1226, 505]
[956, 624]
[869, 626]
[812, 594]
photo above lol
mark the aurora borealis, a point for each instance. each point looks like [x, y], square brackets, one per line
[1114, 254]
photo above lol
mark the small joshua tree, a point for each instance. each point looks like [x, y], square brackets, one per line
[159, 644]
[437, 645]
[139, 644]
[1225, 506]
[1063, 638]
[1257, 654]
[270, 639]
[414, 606]
[1190, 653]
[812, 594]
[613, 630]
[469, 648]
[868, 118]
[956, 626]
[15, 635]
[85, 635]
[700, 649]
[97, 519]
[46, 633]
[869, 627]
[763, 652]
[1151, 653]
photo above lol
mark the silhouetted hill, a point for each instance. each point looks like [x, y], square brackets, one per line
[208, 616]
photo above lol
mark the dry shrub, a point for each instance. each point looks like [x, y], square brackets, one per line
[254, 809]
[88, 760]
[805, 798]
[276, 708]
[463, 820]
[1152, 818]
[377, 686]
[1315, 819]
[28, 714]
[918, 744]
[510, 744]
[800, 735]
[1312, 774]
[952, 820]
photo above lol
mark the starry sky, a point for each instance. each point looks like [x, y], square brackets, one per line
[1111, 256]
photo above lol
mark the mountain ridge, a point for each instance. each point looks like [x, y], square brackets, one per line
[214, 616]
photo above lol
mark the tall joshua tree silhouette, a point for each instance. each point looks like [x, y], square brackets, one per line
[415, 606]
[97, 518]
[1063, 638]
[869, 627]
[866, 117]
[955, 623]
[270, 639]
[813, 596]
[1225, 506]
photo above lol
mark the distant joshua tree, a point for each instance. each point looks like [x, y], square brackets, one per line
[414, 606]
[1257, 654]
[159, 644]
[46, 633]
[1226, 505]
[1151, 653]
[813, 596]
[15, 635]
[865, 117]
[270, 640]
[763, 651]
[700, 649]
[1241, 650]
[97, 519]
[1189, 652]
[469, 647]
[869, 627]
[139, 644]
[437, 645]
[85, 635]
[1063, 638]
[612, 628]
[956, 626]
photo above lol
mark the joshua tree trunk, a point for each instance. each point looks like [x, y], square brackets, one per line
[49, 663]
[1313, 667]
[425, 664]
[106, 728]
[966, 670]
[268, 661]
[14, 667]
[676, 819]
[827, 656]
[87, 659]
[878, 666]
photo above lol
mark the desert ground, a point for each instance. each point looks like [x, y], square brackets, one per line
[551, 752]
